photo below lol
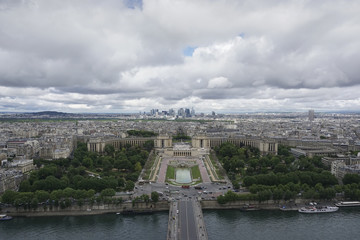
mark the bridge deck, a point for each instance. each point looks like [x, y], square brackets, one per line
[186, 221]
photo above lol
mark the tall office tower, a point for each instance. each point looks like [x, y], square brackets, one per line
[181, 112]
[171, 112]
[187, 112]
[311, 115]
[192, 112]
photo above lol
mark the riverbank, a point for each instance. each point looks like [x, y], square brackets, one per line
[145, 208]
[253, 205]
[124, 208]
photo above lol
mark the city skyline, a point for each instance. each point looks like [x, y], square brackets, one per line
[223, 56]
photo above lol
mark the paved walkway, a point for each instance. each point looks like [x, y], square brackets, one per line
[209, 168]
[204, 174]
[163, 168]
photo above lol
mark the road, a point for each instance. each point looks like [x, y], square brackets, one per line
[209, 191]
[188, 228]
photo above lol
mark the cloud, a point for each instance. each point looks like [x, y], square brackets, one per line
[136, 55]
[219, 82]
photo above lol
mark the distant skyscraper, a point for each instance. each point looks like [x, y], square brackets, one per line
[192, 112]
[311, 115]
[187, 112]
[181, 112]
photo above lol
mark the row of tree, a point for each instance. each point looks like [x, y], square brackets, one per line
[301, 177]
[67, 197]
[292, 191]
[141, 133]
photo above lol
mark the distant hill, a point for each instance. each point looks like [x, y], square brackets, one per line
[52, 113]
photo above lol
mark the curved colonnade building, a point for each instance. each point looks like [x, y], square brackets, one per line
[199, 145]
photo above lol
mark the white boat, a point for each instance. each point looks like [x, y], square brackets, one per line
[348, 204]
[317, 209]
[5, 217]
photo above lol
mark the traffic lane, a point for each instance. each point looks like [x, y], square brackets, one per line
[192, 227]
[187, 221]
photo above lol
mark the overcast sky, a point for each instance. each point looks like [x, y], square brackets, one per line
[213, 55]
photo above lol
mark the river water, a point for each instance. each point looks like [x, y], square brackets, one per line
[220, 224]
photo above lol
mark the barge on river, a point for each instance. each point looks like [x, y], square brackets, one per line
[317, 209]
[348, 204]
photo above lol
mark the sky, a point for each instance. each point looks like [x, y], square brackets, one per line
[117, 56]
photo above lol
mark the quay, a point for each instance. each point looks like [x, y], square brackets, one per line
[186, 221]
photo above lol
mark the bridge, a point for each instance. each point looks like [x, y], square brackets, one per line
[186, 221]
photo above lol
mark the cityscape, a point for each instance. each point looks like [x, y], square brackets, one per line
[163, 119]
[177, 141]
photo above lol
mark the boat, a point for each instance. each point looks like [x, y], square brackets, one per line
[5, 217]
[249, 208]
[348, 204]
[317, 209]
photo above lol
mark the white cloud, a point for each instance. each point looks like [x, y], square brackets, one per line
[219, 82]
[81, 55]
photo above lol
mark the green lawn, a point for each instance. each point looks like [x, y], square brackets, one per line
[195, 172]
[170, 173]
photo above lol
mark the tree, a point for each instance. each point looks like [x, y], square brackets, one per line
[109, 150]
[149, 145]
[68, 192]
[107, 166]
[129, 185]
[249, 180]
[9, 197]
[351, 178]
[25, 186]
[264, 195]
[280, 168]
[236, 184]
[155, 197]
[80, 152]
[34, 203]
[88, 162]
[221, 199]
[145, 197]
[278, 194]
[137, 167]
[123, 165]
[42, 195]
[108, 192]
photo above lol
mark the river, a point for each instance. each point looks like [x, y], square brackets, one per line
[220, 224]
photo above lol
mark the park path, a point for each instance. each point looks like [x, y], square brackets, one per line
[162, 171]
[204, 174]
